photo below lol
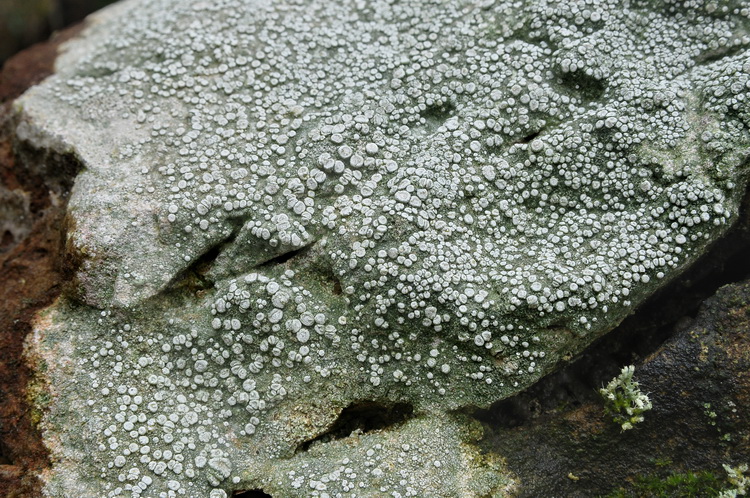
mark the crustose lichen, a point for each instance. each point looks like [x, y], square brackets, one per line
[623, 399]
[289, 208]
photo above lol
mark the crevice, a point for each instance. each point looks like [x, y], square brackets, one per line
[41, 173]
[528, 138]
[283, 258]
[586, 86]
[667, 312]
[718, 54]
[437, 114]
[4, 460]
[194, 276]
[362, 417]
[250, 493]
[6, 240]
[336, 286]
[329, 279]
[208, 258]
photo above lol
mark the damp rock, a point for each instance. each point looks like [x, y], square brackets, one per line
[288, 208]
[698, 383]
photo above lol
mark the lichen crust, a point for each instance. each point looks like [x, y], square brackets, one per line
[290, 207]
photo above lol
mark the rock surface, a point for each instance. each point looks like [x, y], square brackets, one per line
[699, 384]
[31, 273]
[288, 210]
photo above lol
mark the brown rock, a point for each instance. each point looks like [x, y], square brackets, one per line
[33, 193]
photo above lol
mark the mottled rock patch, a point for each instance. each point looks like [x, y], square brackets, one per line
[33, 194]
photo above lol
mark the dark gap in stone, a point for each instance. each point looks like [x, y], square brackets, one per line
[329, 279]
[668, 311]
[528, 138]
[49, 177]
[283, 258]
[336, 287]
[250, 493]
[7, 240]
[40, 251]
[718, 54]
[583, 84]
[207, 259]
[4, 457]
[193, 276]
[438, 113]
[363, 416]
[42, 172]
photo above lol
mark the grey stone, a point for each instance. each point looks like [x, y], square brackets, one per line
[287, 208]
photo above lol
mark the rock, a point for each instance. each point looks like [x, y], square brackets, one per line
[34, 188]
[23, 23]
[698, 383]
[288, 209]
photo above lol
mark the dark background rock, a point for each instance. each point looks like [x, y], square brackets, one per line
[25, 22]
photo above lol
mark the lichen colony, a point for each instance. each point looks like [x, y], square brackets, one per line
[290, 207]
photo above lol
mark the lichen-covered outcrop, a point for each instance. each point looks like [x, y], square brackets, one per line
[287, 208]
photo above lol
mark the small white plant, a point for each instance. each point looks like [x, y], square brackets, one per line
[624, 401]
[740, 482]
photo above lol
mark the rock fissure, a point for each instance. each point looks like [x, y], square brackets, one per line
[362, 417]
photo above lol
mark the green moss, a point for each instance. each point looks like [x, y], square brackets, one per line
[38, 399]
[689, 484]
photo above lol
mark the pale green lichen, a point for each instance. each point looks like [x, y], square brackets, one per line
[623, 399]
[738, 481]
[407, 202]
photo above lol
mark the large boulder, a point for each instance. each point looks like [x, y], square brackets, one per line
[292, 212]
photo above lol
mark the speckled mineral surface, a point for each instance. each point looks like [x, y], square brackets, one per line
[289, 209]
